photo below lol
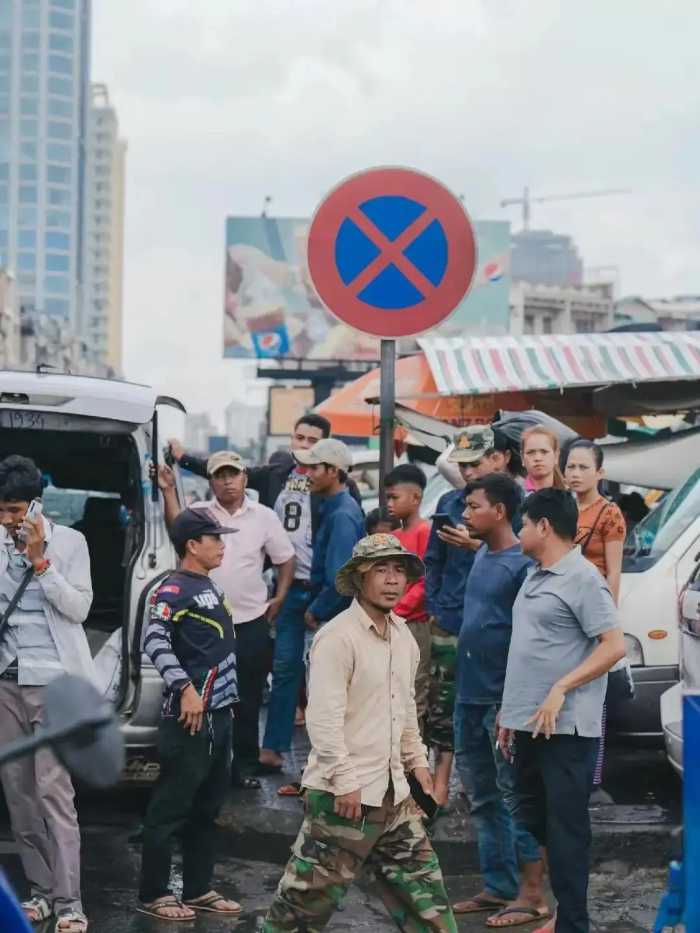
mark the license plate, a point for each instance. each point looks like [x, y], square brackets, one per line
[34, 420]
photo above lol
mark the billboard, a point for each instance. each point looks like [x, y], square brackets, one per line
[271, 309]
[286, 405]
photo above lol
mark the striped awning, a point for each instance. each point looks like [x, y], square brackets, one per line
[479, 365]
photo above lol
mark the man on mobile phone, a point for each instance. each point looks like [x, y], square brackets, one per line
[41, 637]
[364, 739]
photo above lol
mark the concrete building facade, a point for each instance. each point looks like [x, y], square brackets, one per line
[545, 309]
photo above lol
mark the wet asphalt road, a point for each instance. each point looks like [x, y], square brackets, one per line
[624, 896]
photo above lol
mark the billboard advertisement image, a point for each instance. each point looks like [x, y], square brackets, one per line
[271, 309]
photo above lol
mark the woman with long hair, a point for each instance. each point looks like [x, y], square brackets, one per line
[540, 450]
[601, 524]
[600, 535]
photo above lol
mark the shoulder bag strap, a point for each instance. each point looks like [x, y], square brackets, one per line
[593, 527]
[24, 583]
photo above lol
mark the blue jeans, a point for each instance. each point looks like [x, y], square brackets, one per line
[489, 783]
[287, 670]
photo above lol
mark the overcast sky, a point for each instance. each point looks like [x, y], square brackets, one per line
[225, 101]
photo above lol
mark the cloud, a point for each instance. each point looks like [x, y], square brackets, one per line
[225, 103]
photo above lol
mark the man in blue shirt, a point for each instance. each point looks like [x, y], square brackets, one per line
[497, 573]
[477, 452]
[341, 525]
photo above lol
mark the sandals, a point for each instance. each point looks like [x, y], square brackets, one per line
[532, 913]
[71, 921]
[156, 908]
[36, 909]
[246, 783]
[480, 903]
[207, 902]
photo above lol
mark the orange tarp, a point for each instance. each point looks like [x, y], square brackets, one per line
[350, 414]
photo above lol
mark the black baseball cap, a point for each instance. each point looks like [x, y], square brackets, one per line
[193, 523]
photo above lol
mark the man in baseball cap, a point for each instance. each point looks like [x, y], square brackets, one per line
[341, 525]
[364, 735]
[240, 575]
[191, 642]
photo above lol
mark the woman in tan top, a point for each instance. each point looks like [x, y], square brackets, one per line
[600, 535]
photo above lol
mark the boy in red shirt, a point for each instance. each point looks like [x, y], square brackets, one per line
[404, 487]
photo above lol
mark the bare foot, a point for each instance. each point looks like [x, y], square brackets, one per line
[268, 757]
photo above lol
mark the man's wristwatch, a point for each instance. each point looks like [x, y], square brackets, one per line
[41, 568]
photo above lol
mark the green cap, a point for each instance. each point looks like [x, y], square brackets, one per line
[471, 444]
[371, 549]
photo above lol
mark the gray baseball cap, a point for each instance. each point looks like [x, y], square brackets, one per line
[327, 450]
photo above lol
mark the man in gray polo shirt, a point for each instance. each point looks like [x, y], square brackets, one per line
[565, 640]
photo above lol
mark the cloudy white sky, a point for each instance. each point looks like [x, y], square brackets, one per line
[225, 101]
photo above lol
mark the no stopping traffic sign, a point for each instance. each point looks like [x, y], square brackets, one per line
[391, 252]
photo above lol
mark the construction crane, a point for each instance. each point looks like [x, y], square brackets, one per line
[526, 200]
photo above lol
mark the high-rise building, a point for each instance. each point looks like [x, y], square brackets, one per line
[100, 318]
[44, 84]
[541, 257]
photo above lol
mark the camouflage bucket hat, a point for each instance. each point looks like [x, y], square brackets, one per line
[371, 549]
[471, 444]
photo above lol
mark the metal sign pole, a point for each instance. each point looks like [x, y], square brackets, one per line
[387, 396]
[691, 809]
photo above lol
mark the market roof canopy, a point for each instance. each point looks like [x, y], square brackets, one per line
[482, 365]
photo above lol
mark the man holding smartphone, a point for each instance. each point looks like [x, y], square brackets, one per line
[45, 596]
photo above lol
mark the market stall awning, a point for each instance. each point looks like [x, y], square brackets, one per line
[353, 410]
[484, 365]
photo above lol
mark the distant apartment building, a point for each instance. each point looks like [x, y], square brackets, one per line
[541, 257]
[44, 68]
[548, 309]
[9, 322]
[679, 312]
[100, 317]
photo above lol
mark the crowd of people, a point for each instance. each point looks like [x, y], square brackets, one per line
[479, 639]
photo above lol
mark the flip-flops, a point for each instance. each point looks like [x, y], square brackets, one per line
[208, 901]
[289, 790]
[155, 908]
[76, 922]
[535, 914]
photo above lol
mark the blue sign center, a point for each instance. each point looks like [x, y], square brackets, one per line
[402, 277]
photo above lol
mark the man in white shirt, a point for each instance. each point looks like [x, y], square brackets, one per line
[364, 737]
[240, 575]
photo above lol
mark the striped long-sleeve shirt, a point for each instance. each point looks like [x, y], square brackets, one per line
[191, 639]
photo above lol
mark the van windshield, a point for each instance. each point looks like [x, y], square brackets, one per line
[649, 540]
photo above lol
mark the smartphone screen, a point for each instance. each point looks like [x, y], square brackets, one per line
[442, 520]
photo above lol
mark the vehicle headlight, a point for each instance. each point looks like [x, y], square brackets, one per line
[633, 650]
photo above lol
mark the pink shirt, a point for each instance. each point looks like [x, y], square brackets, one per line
[240, 575]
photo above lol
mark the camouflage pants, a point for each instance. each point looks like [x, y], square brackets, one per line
[441, 696]
[329, 853]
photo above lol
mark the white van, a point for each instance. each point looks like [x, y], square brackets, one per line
[660, 554]
[94, 441]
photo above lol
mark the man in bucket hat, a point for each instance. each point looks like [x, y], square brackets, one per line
[364, 737]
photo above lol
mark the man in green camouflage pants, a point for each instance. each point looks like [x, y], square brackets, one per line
[364, 735]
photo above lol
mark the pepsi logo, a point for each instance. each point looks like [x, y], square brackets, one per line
[493, 271]
[270, 342]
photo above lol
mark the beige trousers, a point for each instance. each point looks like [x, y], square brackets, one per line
[39, 795]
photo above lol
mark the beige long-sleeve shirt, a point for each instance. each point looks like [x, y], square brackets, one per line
[361, 715]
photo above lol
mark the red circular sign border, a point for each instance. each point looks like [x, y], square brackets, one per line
[444, 206]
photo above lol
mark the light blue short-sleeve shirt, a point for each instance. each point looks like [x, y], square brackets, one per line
[557, 617]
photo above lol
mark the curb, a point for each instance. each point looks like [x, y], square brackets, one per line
[640, 835]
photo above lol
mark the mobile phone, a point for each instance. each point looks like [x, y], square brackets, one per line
[34, 511]
[442, 520]
[428, 804]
